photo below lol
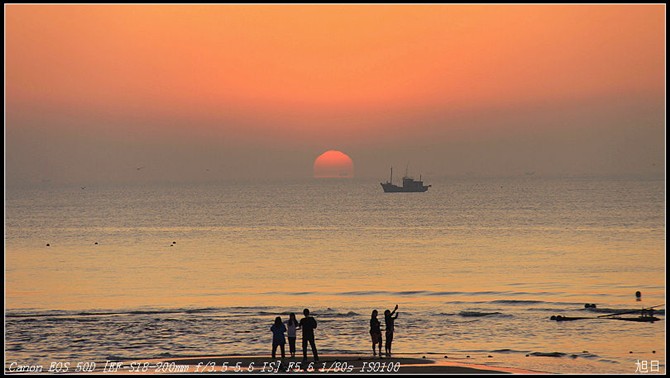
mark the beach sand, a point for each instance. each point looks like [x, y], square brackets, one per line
[328, 364]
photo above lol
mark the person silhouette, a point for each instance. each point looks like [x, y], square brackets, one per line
[389, 319]
[375, 333]
[292, 325]
[278, 340]
[308, 324]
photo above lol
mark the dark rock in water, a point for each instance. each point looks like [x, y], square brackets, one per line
[423, 357]
[638, 294]
[48, 245]
[467, 356]
[653, 351]
[446, 357]
[490, 356]
[553, 317]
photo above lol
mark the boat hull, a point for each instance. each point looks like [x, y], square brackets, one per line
[390, 188]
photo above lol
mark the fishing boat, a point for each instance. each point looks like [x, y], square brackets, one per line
[409, 185]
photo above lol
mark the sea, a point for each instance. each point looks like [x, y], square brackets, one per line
[477, 267]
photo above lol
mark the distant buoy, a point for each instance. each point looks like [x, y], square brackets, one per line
[467, 356]
[48, 245]
[96, 243]
[490, 356]
[423, 357]
[174, 242]
[446, 357]
[638, 294]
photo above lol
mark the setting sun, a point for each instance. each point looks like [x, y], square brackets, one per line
[333, 164]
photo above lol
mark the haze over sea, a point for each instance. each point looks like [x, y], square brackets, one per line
[476, 265]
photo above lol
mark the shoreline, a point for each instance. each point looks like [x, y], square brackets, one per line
[328, 364]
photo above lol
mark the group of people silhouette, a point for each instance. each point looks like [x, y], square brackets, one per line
[308, 325]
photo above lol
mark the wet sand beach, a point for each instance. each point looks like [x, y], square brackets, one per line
[329, 364]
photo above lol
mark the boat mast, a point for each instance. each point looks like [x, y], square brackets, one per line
[391, 181]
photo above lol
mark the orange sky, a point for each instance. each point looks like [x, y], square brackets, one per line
[309, 73]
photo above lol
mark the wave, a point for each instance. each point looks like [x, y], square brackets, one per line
[533, 305]
[302, 293]
[542, 309]
[447, 314]
[275, 313]
[548, 354]
[608, 361]
[516, 301]
[329, 313]
[69, 319]
[584, 354]
[506, 350]
[59, 314]
[477, 314]
[471, 314]
[342, 315]
[362, 293]
[449, 293]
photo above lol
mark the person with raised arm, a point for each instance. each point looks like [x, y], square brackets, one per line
[389, 319]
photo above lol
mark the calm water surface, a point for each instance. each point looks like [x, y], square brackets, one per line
[477, 267]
